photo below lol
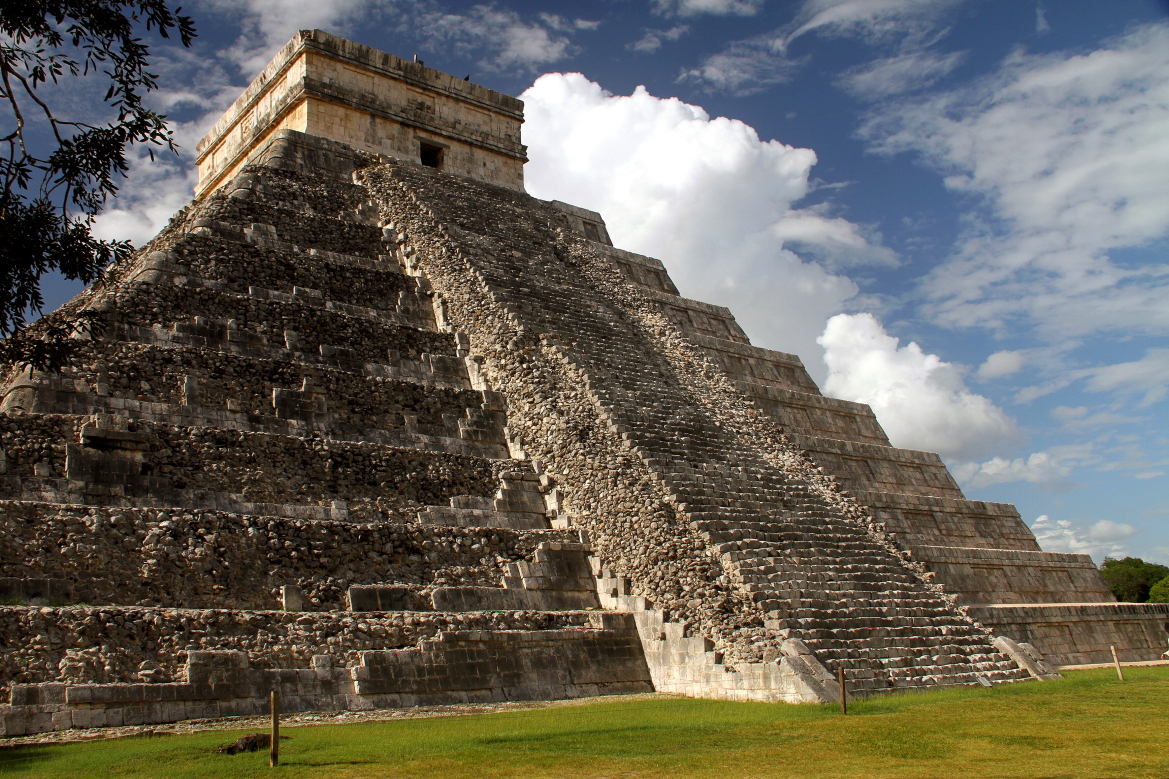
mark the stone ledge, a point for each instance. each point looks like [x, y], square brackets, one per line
[1079, 633]
[980, 555]
[459, 666]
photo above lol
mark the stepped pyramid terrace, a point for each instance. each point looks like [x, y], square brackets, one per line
[368, 424]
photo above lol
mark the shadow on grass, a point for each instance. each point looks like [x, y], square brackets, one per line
[298, 762]
[22, 760]
[590, 734]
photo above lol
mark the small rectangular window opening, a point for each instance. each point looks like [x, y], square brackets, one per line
[431, 155]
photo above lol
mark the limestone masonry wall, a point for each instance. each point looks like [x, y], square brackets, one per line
[72, 644]
[1074, 633]
[375, 102]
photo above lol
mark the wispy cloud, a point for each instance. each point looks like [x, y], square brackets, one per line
[198, 84]
[1081, 418]
[899, 74]
[1041, 24]
[266, 25]
[652, 40]
[1000, 364]
[1148, 375]
[1067, 153]
[1050, 469]
[876, 21]
[713, 7]
[508, 41]
[833, 241]
[561, 24]
[909, 26]
[743, 68]
[154, 191]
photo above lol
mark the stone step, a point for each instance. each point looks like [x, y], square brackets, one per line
[463, 434]
[377, 598]
[381, 661]
[215, 468]
[482, 517]
[379, 294]
[359, 339]
[213, 559]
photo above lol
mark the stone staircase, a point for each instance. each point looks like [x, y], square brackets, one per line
[981, 552]
[752, 522]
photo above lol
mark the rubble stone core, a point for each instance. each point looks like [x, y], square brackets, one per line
[381, 434]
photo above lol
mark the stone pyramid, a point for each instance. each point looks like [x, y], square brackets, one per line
[369, 425]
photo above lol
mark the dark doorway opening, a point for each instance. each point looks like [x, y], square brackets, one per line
[431, 155]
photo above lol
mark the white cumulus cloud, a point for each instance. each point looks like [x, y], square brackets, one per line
[999, 364]
[705, 195]
[1100, 539]
[921, 401]
[1040, 468]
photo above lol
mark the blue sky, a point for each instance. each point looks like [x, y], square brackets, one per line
[954, 210]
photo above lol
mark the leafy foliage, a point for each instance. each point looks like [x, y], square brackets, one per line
[51, 195]
[1131, 578]
[1159, 592]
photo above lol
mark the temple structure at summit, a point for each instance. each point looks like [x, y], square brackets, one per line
[368, 424]
[375, 104]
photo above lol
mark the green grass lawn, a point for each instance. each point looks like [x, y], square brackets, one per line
[1087, 725]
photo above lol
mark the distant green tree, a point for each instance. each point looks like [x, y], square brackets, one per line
[56, 172]
[1131, 578]
[1159, 592]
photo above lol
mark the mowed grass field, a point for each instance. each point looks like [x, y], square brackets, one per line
[1087, 725]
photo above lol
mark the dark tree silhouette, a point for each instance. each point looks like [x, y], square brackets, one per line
[56, 172]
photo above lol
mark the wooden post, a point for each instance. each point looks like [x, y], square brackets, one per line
[1116, 661]
[843, 690]
[274, 747]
